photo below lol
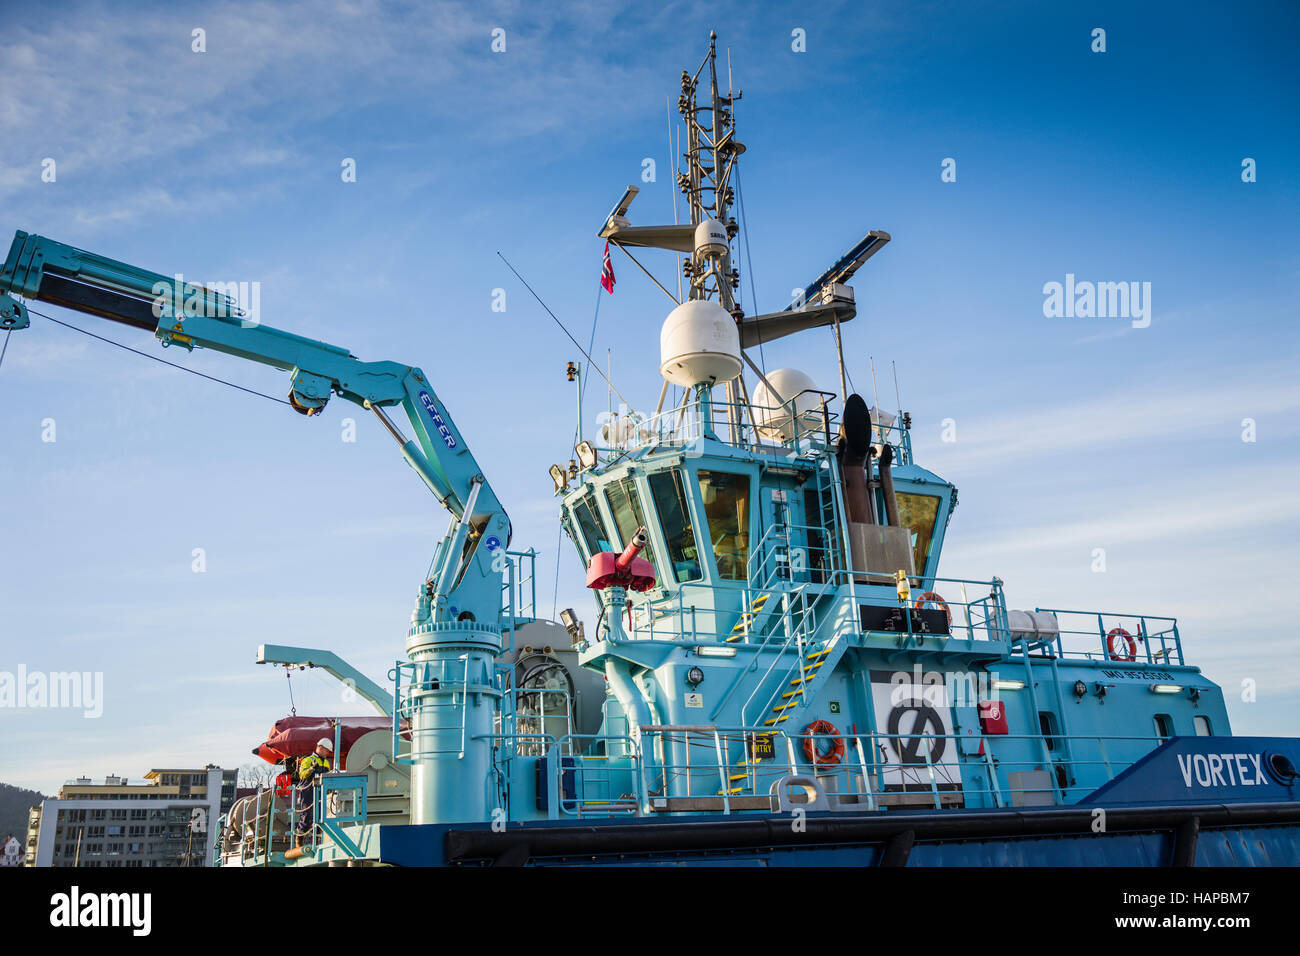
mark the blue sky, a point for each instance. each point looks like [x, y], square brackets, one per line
[1072, 434]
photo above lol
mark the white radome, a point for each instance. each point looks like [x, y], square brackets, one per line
[711, 238]
[772, 413]
[699, 343]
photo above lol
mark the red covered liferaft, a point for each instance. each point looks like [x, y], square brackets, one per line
[293, 737]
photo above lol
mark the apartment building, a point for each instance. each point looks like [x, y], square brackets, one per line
[167, 818]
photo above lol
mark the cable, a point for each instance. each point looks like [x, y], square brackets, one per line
[582, 392]
[749, 263]
[8, 333]
[590, 361]
[211, 378]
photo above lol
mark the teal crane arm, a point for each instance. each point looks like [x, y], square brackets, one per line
[332, 664]
[193, 316]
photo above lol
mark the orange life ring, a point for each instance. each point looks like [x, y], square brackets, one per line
[932, 597]
[1129, 644]
[810, 751]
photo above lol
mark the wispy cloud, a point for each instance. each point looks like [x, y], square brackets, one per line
[141, 126]
[992, 438]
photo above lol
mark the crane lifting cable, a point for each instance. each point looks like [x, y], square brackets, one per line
[211, 378]
[288, 676]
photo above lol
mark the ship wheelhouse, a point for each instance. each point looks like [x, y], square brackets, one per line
[719, 517]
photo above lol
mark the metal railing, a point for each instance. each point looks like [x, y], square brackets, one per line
[712, 761]
[809, 425]
[422, 677]
[786, 553]
[1097, 635]
[258, 838]
[801, 637]
[536, 712]
[877, 770]
[605, 784]
[519, 587]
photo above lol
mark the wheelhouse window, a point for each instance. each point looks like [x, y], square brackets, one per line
[726, 507]
[669, 497]
[918, 514]
[1203, 728]
[590, 526]
[625, 506]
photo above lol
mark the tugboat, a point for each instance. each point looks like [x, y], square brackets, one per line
[778, 674]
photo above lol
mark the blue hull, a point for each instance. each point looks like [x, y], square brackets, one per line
[1259, 834]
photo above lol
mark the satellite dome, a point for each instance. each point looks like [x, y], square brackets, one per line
[711, 238]
[699, 344]
[772, 414]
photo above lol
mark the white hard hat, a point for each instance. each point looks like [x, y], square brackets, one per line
[326, 743]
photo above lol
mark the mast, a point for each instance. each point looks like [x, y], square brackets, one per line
[709, 276]
[711, 154]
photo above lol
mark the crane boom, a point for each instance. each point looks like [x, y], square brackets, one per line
[193, 316]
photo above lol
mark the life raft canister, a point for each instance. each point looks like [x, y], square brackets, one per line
[1120, 645]
[932, 597]
[811, 749]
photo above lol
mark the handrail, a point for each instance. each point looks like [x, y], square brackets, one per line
[999, 757]
[1171, 649]
[577, 764]
[696, 418]
[801, 591]
[809, 614]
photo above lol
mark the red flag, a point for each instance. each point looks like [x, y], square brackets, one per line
[607, 272]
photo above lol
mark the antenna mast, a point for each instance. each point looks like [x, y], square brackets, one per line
[711, 153]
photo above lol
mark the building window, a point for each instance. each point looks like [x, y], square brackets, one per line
[1164, 727]
[726, 508]
[669, 498]
[1202, 724]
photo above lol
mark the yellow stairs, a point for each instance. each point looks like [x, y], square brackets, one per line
[813, 662]
[747, 619]
[743, 775]
[792, 698]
